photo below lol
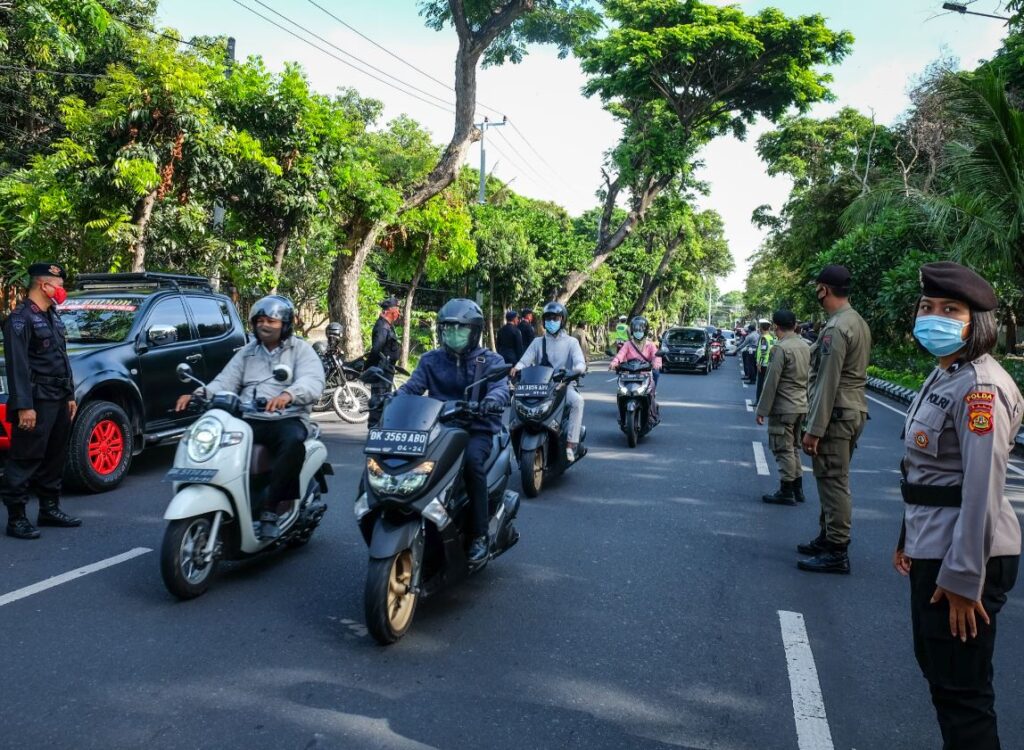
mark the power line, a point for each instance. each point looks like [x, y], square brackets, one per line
[43, 71]
[516, 151]
[328, 42]
[140, 27]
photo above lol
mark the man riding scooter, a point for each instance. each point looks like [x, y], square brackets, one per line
[560, 351]
[445, 373]
[284, 424]
[641, 347]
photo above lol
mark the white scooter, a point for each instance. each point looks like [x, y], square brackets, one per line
[216, 472]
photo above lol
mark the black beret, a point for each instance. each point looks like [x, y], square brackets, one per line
[511, 315]
[784, 319]
[524, 312]
[953, 281]
[389, 303]
[834, 275]
[47, 269]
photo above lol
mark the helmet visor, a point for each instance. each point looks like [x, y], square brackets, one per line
[269, 307]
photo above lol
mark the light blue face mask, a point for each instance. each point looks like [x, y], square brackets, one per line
[638, 335]
[940, 336]
[552, 326]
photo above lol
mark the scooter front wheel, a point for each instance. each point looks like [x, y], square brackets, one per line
[531, 471]
[389, 600]
[185, 572]
[351, 402]
[632, 428]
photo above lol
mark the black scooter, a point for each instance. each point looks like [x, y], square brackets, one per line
[540, 426]
[636, 399]
[413, 510]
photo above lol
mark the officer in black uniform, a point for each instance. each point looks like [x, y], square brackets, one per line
[41, 404]
[384, 353]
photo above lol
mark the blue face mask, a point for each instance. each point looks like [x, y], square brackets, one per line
[940, 336]
[552, 326]
[638, 335]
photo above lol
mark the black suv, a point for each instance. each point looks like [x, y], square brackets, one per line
[686, 349]
[126, 334]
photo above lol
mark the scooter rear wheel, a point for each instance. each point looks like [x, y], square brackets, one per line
[389, 603]
[531, 470]
[181, 566]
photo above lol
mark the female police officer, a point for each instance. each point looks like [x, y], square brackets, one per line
[960, 543]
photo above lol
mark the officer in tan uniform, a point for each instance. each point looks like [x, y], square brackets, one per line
[835, 419]
[784, 403]
[960, 543]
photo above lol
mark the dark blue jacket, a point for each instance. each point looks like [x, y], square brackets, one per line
[444, 376]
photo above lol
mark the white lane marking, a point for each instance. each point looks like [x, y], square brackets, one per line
[887, 406]
[71, 575]
[812, 730]
[745, 385]
[760, 460]
[750, 405]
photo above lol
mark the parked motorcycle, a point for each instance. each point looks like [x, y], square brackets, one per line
[413, 510]
[217, 471]
[343, 392]
[540, 426]
[636, 399]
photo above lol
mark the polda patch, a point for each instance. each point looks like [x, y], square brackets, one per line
[826, 344]
[921, 440]
[979, 411]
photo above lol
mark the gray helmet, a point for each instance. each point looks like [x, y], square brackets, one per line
[461, 312]
[276, 307]
[639, 323]
[334, 331]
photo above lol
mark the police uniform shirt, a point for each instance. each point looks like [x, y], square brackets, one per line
[36, 357]
[839, 369]
[384, 346]
[785, 383]
[960, 431]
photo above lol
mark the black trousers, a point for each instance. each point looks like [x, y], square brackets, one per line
[478, 450]
[749, 370]
[36, 460]
[286, 440]
[378, 392]
[959, 674]
[761, 373]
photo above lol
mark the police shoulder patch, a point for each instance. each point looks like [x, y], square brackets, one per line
[17, 323]
[921, 439]
[980, 411]
[826, 344]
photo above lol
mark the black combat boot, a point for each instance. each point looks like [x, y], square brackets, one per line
[832, 560]
[18, 524]
[479, 550]
[813, 547]
[51, 514]
[783, 496]
[798, 489]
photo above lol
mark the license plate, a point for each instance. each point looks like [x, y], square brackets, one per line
[532, 390]
[190, 475]
[397, 442]
[633, 378]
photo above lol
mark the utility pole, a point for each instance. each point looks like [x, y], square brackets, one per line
[482, 197]
[218, 205]
[961, 8]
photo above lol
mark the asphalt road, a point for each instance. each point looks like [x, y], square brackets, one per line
[639, 610]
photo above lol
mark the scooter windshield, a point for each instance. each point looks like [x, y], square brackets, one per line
[534, 382]
[405, 412]
[635, 365]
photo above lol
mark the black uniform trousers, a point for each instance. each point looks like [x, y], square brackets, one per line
[749, 366]
[286, 440]
[762, 373]
[959, 674]
[478, 450]
[36, 460]
[378, 394]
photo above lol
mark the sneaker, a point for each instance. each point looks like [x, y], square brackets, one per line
[570, 455]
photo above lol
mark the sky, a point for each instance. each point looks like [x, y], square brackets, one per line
[555, 143]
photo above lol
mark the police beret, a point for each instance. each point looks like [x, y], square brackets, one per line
[389, 303]
[511, 315]
[47, 269]
[953, 281]
[834, 275]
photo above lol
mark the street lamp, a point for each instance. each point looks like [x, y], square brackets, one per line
[962, 10]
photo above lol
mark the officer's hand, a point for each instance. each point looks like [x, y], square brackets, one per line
[901, 561]
[27, 419]
[810, 444]
[513, 372]
[183, 402]
[760, 419]
[961, 613]
[72, 409]
[279, 403]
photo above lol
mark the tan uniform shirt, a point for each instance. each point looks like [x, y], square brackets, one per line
[960, 431]
[839, 369]
[785, 383]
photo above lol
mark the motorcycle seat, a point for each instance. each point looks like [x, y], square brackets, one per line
[261, 461]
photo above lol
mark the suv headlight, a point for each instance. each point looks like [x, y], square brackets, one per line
[403, 484]
[700, 352]
[204, 438]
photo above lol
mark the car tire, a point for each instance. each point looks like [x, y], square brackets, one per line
[101, 446]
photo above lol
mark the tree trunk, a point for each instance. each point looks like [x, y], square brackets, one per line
[417, 277]
[343, 291]
[140, 220]
[280, 250]
[666, 259]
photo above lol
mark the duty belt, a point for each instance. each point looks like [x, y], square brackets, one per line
[47, 380]
[931, 495]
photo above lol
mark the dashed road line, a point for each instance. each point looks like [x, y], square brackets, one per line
[750, 405]
[759, 459]
[812, 730]
[71, 575]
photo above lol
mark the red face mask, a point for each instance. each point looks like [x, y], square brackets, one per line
[60, 294]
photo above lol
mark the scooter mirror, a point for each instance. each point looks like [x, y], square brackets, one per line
[660, 353]
[496, 372]
[184, 372]
[282, 373]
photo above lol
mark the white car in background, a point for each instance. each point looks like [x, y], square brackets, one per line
[732, 346]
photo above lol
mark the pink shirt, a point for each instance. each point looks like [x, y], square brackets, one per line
[630, 351]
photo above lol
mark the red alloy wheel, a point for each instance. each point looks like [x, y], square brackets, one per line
[106, 447]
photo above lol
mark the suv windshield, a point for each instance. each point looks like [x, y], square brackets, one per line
[685, 337]
[91, 320]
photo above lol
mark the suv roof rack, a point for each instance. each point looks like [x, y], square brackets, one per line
[142, 279]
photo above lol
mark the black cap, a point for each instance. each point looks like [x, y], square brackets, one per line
[784, 319]
[953, 281]
[389, 303]
[834, 275]
[47, 269]
[525, 311]
[511, 315]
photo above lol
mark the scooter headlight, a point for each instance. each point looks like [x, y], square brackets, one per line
[535, 412]
[403, 484]
[204, 438]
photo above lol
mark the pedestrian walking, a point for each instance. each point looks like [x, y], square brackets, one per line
[783, 402]
[509, 342]
[764, 350]
[526, 328]
[837, 411]
[960, 541]
[41, 404]
[384, 353]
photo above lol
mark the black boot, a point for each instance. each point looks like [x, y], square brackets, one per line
[268, 526]
[18, 524]
[478, 550]
[783, 496]
[51, 514]
[832, 560]
[798, 489]
[814, 547]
